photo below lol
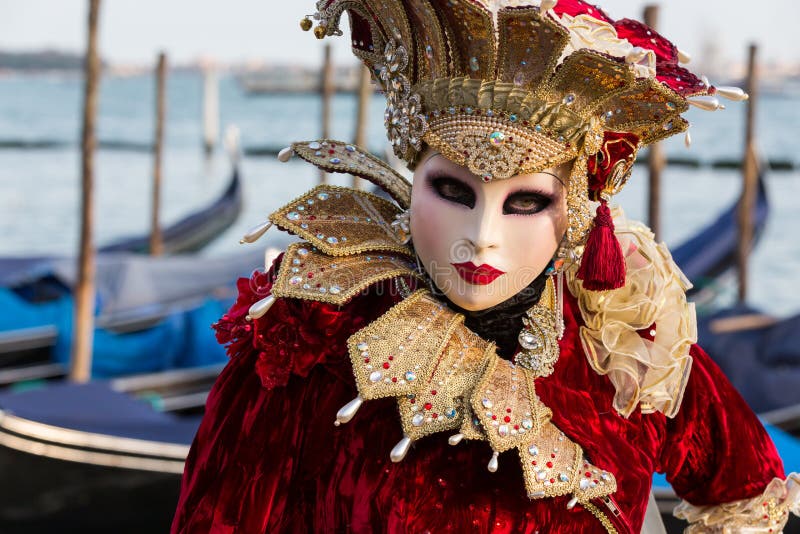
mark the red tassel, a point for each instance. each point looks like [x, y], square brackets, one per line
[603, 266]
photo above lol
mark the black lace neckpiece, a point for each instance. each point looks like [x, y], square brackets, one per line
[503, 322]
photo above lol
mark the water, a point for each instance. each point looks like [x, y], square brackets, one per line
[39, 189]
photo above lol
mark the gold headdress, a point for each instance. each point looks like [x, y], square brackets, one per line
[507, 87]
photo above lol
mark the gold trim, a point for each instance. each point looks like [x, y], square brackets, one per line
[604, 520]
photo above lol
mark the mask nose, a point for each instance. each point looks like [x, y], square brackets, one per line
[484, 231]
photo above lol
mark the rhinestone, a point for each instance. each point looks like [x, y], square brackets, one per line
[350, 148]
[584, 483]
[563, 477]
[295, 280]
[296, 262]
[335, 161]
[323, 290]
[450, 413]
[317, 153]
[451, 110]
[293, 216]
[541, 475]
[529, 341]
[569, 99]
[304, 226]
[538, 128]
[497, 138]
[534, 450]
[418, 419]
[375, 376]
[512, 118]
[314, 145]
[474, 65]
[306, 286]
[332, 240]
[487, 403]
[335, 290]
[502, 431]
[302, 252]
[527, 424]
[322, 196]
[429, 51]
[411, 376]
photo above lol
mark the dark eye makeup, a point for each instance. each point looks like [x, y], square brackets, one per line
[524, 202]
[453, 190]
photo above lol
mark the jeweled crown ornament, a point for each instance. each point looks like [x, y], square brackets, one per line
[508, 87]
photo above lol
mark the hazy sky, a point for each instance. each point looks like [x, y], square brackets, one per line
[134, 30]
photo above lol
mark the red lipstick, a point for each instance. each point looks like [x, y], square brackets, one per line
[479, 276]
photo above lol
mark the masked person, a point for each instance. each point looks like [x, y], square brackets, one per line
[483, 353]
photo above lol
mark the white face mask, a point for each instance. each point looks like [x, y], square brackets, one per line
[482, 243]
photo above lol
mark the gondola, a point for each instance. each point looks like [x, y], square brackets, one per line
[196, 230]
[712, 252]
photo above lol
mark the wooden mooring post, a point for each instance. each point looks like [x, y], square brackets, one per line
[156, 240]
[210, 109]
[656, 160]
[327, 90]
[364, 96]
[749, 177]
[84, 294]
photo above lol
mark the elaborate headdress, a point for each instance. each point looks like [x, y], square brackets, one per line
[506, 87]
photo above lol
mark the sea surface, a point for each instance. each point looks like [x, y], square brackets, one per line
[39, 189]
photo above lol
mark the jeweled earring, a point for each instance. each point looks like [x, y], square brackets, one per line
[402, 226]
[544, 324]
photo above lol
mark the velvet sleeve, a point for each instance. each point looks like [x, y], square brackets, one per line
[229, 484]
[716, 449]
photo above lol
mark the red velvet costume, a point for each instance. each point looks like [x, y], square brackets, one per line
[267, 457]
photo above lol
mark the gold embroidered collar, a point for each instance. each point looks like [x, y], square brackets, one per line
[444, 377]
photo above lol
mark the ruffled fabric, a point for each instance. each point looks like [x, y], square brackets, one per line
[587, 31]
[640, 335]
[767, 512]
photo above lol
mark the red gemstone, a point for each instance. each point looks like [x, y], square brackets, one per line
[588, 474]
[319, 285]
[533, 462]
[366, 360]
[311, 275]
[433, 392]
[428, 405]
[413, 401]
[508, 410]
[494, 418]
[312, 217]
[507, 419]
[552, 481]
[516, 427]
[552, 455]
[549, 464]
[385, 365]
[435, 416]
[391, 358]
[394, 379]
[331, 152]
